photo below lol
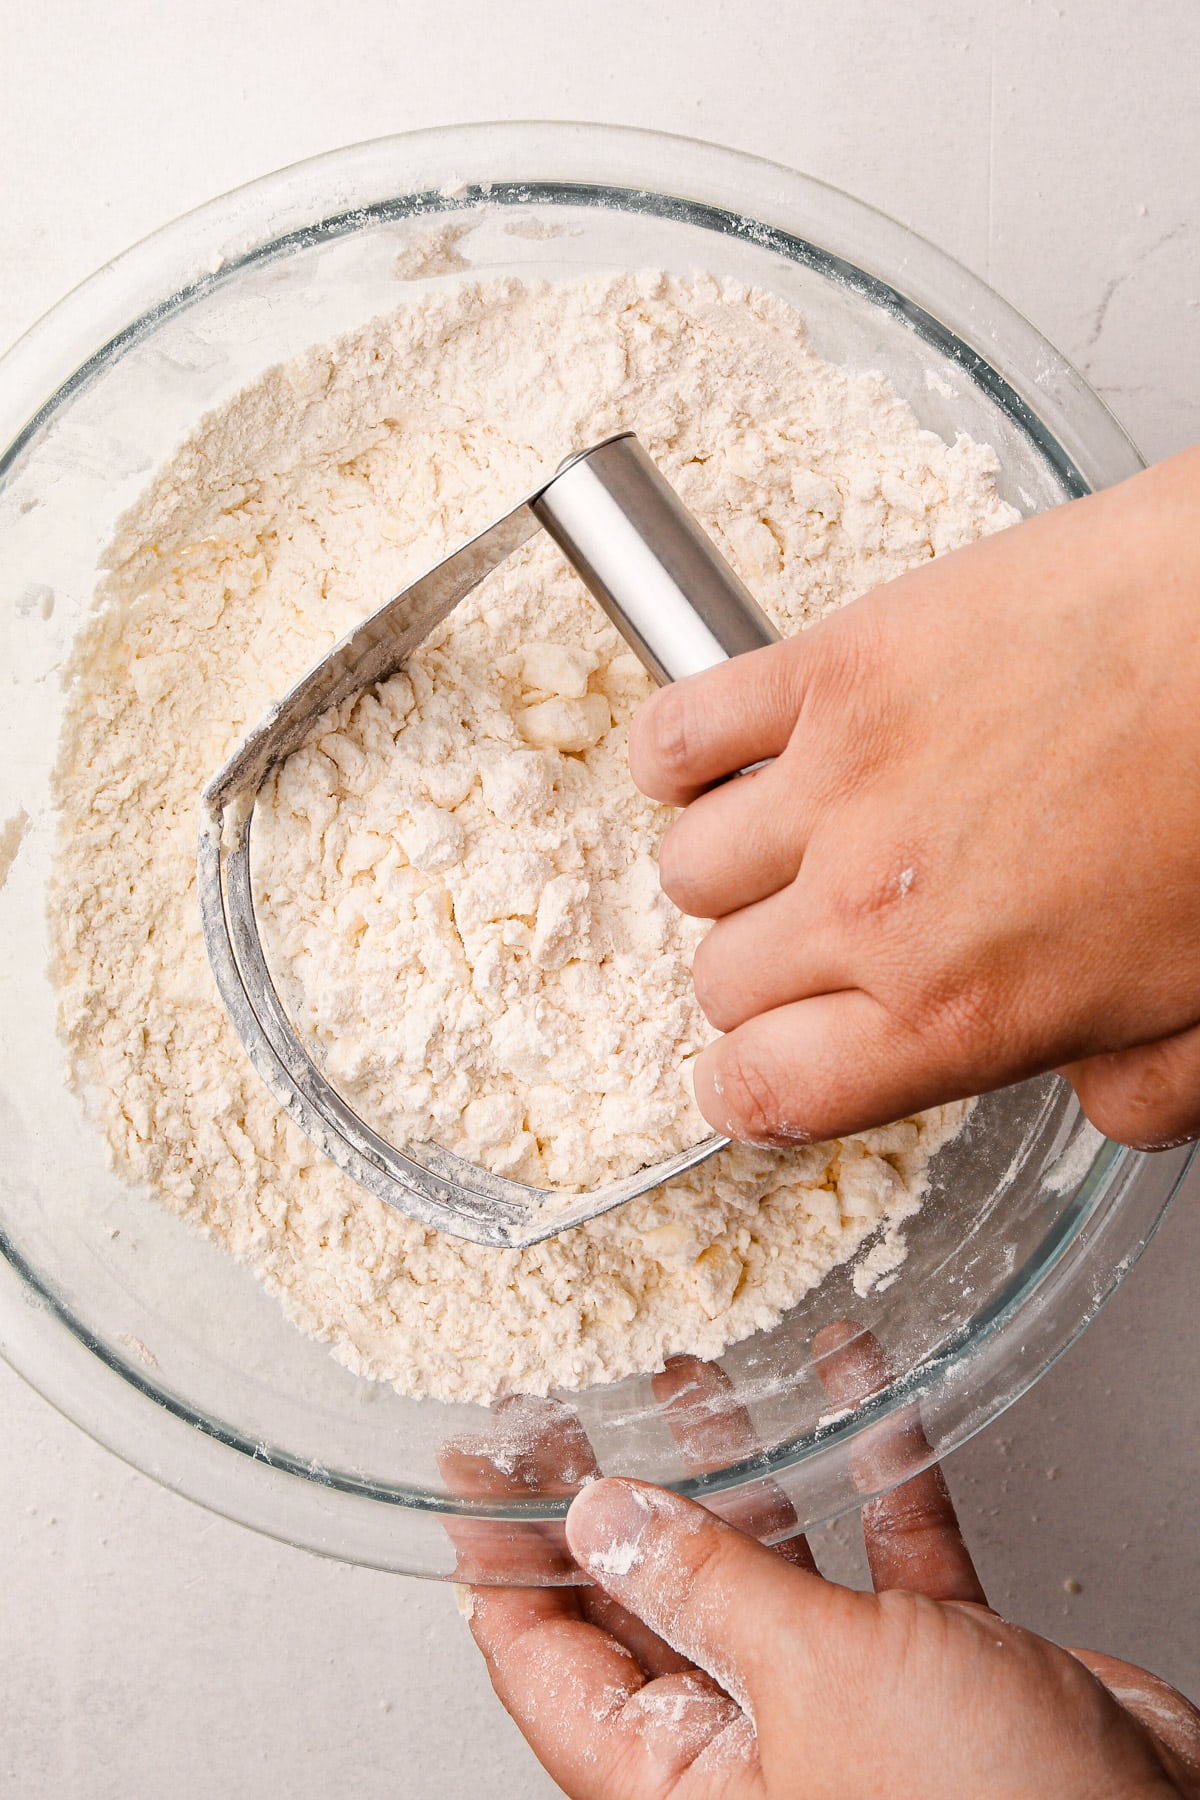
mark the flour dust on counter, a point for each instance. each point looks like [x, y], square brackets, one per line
[456, 876]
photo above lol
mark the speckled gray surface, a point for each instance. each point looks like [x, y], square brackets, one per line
[149, 1648]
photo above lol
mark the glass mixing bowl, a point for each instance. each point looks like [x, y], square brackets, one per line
[157, 1343]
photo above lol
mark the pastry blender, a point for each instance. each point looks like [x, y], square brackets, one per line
[682, 609]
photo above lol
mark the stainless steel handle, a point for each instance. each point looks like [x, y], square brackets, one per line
[662, 582]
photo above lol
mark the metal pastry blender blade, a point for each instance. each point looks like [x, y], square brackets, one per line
[682, 609]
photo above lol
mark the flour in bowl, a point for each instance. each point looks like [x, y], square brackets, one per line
[456, 876]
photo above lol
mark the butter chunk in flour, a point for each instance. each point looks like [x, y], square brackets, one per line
[457, 878]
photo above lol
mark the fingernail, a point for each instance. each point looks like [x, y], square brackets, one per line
[608, 1522]
[788, 1133]
[780, 1137]
[713, 1103]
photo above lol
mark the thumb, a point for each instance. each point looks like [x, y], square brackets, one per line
[731, 1606]
[1148, 1096]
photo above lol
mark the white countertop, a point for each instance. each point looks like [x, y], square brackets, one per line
[147, 1647]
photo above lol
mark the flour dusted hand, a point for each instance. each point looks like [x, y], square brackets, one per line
[701, 1665]
[977, 855]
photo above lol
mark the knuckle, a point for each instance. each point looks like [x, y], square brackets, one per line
[781, 679]
[969, 1030]
[848, 699]
[877, 894]
[676, 868]
[846, 660]
[966, 1020]
[662, 740]
[867, 895]
[709, 981]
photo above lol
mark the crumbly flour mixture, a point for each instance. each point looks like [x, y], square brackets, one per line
[456, 875]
